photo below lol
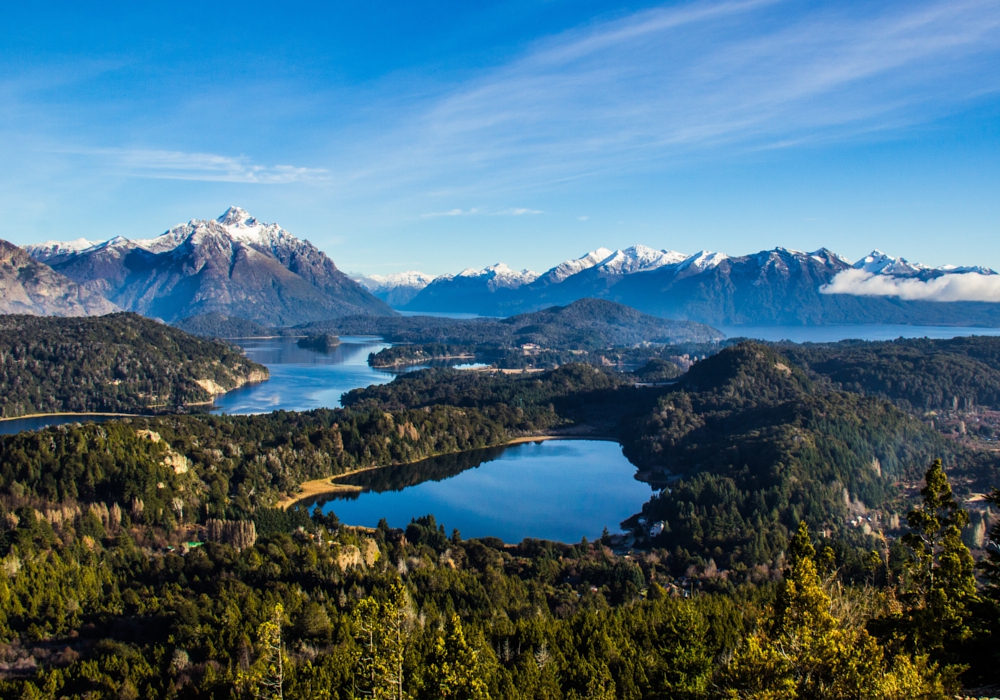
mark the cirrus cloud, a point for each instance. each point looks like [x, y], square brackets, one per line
[204, 167]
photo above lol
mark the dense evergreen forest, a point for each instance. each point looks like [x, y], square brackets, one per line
[219, 325]
[919, 374]
[678, 356]
[119, 363]
[789, 554]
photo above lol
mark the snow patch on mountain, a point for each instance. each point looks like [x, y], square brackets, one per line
[699, 262]
[498, 276]
[41, 252]
[571, 267]
[639, 258]
[878, 263]
[385, 283]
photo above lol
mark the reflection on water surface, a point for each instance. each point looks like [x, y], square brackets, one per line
[301, 379]
[558, 490]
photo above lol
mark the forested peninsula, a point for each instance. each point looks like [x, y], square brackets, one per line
[805, 544]
[119, 363]
[584, 324]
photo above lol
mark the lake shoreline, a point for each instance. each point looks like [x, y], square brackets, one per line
[327, 485]
[84, 415]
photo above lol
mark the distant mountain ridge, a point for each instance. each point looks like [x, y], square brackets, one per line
[234, 265]
[396, 289]
[772, 287]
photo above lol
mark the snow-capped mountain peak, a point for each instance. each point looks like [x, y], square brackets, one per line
[701, 261]
[381, 283]
[570, 267]
[878, 263]
[499, 276]
[236, 217]
[51, 249]
[638, 258]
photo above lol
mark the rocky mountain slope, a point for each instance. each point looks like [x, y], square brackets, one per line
[30, 287]
[234, 265]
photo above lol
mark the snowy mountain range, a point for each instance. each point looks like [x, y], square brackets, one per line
[234, 265]
[777, 286]
[245, 268]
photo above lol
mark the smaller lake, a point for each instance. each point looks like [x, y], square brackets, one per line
[301, 379]
[560, 490]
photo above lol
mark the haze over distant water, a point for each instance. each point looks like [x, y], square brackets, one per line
[834, 332]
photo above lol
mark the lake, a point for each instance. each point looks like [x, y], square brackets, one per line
[302, 380]
[560, 490]
[16, 425]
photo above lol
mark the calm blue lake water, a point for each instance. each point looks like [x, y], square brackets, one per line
[556, 490]
[10, 427]
[302, 380]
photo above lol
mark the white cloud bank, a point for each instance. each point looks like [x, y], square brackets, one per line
[968, 286]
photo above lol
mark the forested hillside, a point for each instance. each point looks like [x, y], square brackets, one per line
[218, 325]
[102, 595]
[587, 324]
[119, 363]
[748, 443]
[919, 373]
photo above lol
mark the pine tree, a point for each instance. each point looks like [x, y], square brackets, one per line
[990, 565]
[456, 666]
[381, 633]
[990, 617]
[806, 652]
[264, 679]
[939, 586]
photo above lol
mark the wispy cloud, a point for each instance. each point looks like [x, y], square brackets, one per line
[668, 82]
[516, 211]
[451, 212]
[519, 211]
[208, 167]
[968, 286]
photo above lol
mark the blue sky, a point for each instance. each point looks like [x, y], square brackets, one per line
[437, 136]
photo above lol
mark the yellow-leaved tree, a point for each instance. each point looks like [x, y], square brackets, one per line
[456, 668]
[803, 651]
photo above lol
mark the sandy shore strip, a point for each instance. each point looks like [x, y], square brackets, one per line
[317, 487]
[328, 484]
[82, 415]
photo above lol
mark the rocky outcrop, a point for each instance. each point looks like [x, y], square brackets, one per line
[30, 287]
